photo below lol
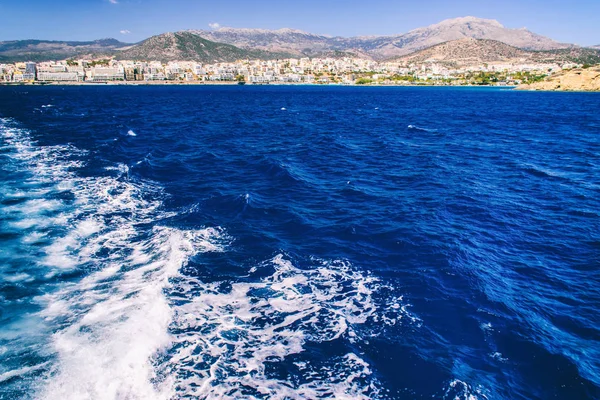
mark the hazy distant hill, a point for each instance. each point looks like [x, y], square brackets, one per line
[472, 52]
[44, 50]
[381, 47]
[188, 46]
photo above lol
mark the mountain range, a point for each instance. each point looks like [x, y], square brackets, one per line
[230, 44]
[381, 47]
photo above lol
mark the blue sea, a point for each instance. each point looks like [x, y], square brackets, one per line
[298, 242]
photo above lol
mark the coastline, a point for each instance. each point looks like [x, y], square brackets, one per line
[233, 83]
[576, 80]
[529, 90]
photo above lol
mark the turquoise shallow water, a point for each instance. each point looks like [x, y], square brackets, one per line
[298, 242]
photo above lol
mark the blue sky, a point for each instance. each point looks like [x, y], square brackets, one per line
[573, 21]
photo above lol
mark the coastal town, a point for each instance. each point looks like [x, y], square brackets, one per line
[344, 71]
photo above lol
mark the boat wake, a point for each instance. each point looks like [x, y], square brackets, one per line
[119, 319]
[109, 326]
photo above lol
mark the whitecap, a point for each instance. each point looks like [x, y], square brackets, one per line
[486, 327]
[18, 277]
[123, 169]
[21, 371]
[131, 133]
[460, 390]
[417, 128]
[498, 356]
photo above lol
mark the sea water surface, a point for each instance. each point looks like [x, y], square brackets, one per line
[298, 243]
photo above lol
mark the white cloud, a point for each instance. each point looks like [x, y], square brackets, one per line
[214, 25]
[113, 1]
[125, 32]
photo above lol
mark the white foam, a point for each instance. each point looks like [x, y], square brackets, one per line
[498, 356]
[231, 335]
[123, 169]
[121, 330]
[111, 325]
[131, 133]
[34, 237]
[34, 206]
[18, 277]
[134, 328]
[20, 372]
[417, 128]
[460, 390]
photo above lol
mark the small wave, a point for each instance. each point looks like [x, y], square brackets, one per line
[498, 356]
[122, 169]
[21, 371]
[542, 172]
[417, 128]
[19, 277]
[279, 170]
[131, 133]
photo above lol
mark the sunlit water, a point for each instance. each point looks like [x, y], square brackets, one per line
[298, 242]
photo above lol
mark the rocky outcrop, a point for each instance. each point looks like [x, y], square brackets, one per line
[587, 80]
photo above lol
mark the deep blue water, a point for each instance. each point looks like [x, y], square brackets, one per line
[299, 242]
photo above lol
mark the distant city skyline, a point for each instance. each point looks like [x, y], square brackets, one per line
[135, 20]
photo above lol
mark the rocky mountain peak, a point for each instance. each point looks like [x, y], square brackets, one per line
[468, 20]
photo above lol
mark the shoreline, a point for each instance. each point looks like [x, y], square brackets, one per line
[515, 88]
[227, 83]
[526, 89]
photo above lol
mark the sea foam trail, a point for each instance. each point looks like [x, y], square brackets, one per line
[228, 336]
[109, 326]
[109, 350]
[135, 327]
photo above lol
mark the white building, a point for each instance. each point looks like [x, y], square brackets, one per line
[59, 77]
[106, 74]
